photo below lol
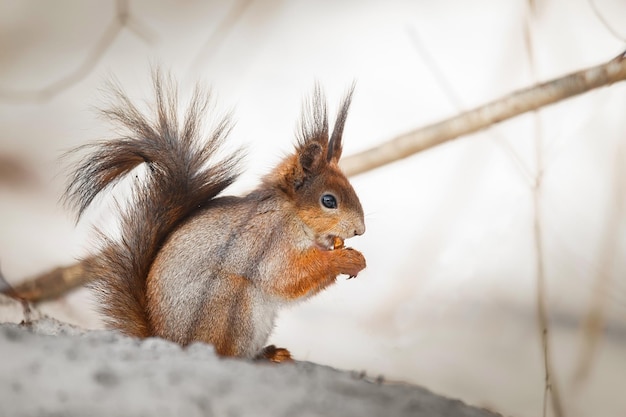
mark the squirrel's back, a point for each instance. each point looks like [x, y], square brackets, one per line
[182, 177]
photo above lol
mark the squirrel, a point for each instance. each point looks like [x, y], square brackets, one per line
[195, 265]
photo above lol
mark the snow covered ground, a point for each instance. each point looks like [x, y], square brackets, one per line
[52, 369]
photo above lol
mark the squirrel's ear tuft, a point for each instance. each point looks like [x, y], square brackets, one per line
[314, 150]
[314, 120]
[334, 145]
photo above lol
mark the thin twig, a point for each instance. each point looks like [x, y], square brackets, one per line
[595, 319]
[482, 117]
[605, 23]
[551, 389]
[435, 70]
[445, 86]
[129, 21]
[223, 28]
[121, 20]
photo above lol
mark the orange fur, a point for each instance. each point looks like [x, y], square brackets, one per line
[314, 269]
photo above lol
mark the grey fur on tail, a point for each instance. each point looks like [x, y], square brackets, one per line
[183, 176]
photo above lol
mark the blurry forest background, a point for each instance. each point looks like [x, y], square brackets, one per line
[463, 240]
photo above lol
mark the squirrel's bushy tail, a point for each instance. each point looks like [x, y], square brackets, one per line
[181, 177]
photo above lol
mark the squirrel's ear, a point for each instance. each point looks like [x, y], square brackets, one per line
[308, 162]
[310, 157]
[334, 145]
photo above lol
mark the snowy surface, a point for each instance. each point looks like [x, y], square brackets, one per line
[54, 369]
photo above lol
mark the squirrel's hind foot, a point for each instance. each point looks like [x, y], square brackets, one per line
[274, 354]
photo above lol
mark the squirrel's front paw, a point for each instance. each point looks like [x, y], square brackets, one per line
[352, 262]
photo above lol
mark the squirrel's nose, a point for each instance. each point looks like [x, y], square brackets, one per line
[359, 230]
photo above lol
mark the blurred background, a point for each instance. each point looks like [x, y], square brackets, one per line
[459, 237]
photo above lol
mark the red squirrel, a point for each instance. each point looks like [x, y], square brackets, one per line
[193, 265]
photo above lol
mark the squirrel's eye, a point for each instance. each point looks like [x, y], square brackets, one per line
[329, 201]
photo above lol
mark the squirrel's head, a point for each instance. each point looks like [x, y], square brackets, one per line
[311, 178]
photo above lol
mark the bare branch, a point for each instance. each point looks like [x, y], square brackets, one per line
[595, 319]
[427, 59]
[16, 172]
[551, 389]
[605, 23]
[50, 285]
[7, 289]
[482, 117]
[122, 19]
[223, 28]
[126, 19]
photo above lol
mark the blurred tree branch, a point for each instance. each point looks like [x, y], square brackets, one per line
[50, 285]
[427, 59]
[604, 21]
[6, 289]
[595, 321]
[471, 121]
[551, 390]
[60, 280]
[122, 19]
[224, 27]
[15, 172]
